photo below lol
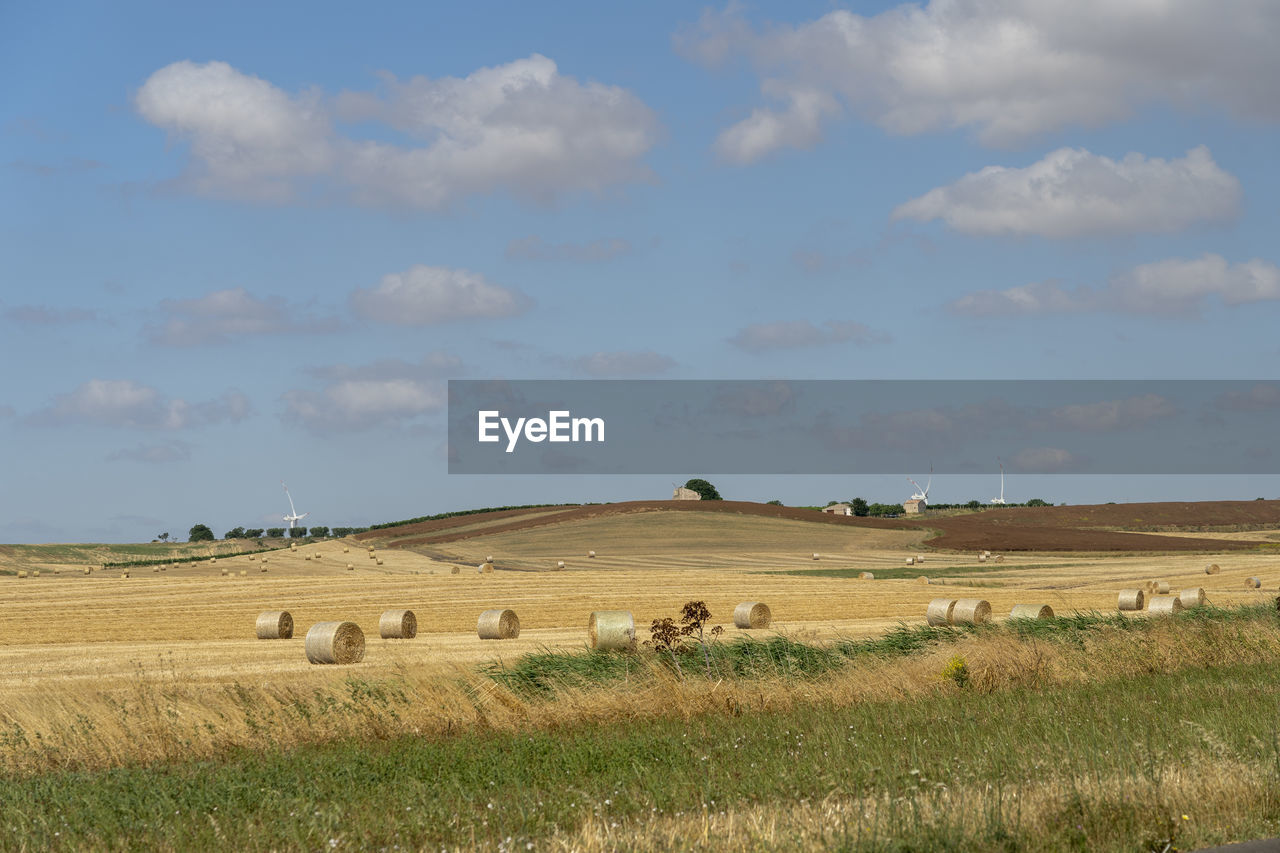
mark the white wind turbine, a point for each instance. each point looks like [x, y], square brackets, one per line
[293, 516]
[1000, 500]
[922, 495]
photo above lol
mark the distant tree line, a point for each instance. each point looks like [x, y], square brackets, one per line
[204, 533]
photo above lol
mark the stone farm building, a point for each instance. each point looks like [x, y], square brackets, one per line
[913, 506]
[838, 509]
[683, 494]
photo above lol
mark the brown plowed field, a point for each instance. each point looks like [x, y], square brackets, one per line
[1098, 527]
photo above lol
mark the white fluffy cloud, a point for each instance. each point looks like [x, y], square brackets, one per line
[1006, 69]
[124, 403]
[224, 314]
[391, 392]
[522, 128]
[423, 295]
[1173, 286]
[1073, 193]
[623, 364]
[763, 337]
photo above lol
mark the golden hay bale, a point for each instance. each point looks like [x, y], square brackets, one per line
[986, 553]
[752, 614]
[489, 559]
[1164, 605]
[379, 561]
[591, 554]
[335, 642]
[999, 558]
[225, 571]
[560, 564]
[244, 573]
[346, 550]
[1192, 597]
[124, 575]
[1251, 583]
[911, 561]
[919, 558]
[252, 558]
[817, 557]
[88, 570]
[307, 557]
[397, 625]
[982, 558]
[1162, 587]
[485, 568]
[156, 570]
[36, 573]
[971, 611]
[939, 611]
[611, 629]
[498, 625]
[275, 625]
[370, 549]
[1131, 599]
[263, 569]
[866, 576]
[1212, 569]
[317, 555]
[351, 567]
[372, 556]
[1031, 611]
[455, 570]
[922, 579]
[21, 573]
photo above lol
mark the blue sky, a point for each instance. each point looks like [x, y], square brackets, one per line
[245, 244]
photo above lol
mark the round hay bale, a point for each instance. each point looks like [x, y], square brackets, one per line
[919, 558]
[317, 555]
[36, 573]
[455, 570]
[1251, 583]
[560, 564]
[124, 575]
[922, 579]
[225, 572]
[866, 576]
[911, 561]
[489, 559]
[1149, 588]
[373, 556]
[351, 567]
[293, 546]
[213, 560]
[498, 625]
[1031, 611]
[1162, 587]
[244, 573]
[816, 557]
[275, 625]
[971, 611]
[611, 630]
[307, 557]
[335, 642]
[591, 554]
[1192, 597]
[986, 553]
[1212, 569]
[999, 558]
[252, 558]
[263, 569]
[379, 561]
[346, 550]
[397, 625]
[156, 570]
[752, 614]
[939, 611]
[370, 549]
[21, 573]
[485, 568]
[1131, 599]
[88, 570]
[1164, 605]
[982, 558]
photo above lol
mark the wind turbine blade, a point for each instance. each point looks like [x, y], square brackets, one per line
[290, 497]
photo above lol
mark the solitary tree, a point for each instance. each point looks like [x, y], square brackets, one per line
[200, 533]
[163, 537]
[1037, 502]
[704, 489]
[859, 507]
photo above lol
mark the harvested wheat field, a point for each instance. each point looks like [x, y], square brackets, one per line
[197, 624]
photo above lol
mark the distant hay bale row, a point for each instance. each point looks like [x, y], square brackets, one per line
[611, 630]
[398, 625]
[275, 625]
[1031, 611]
[752, 614]
[498, 624]
[1131, 599]
[335, 643]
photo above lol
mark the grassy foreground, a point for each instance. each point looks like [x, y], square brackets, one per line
[1126, 764]
[1090, 733]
